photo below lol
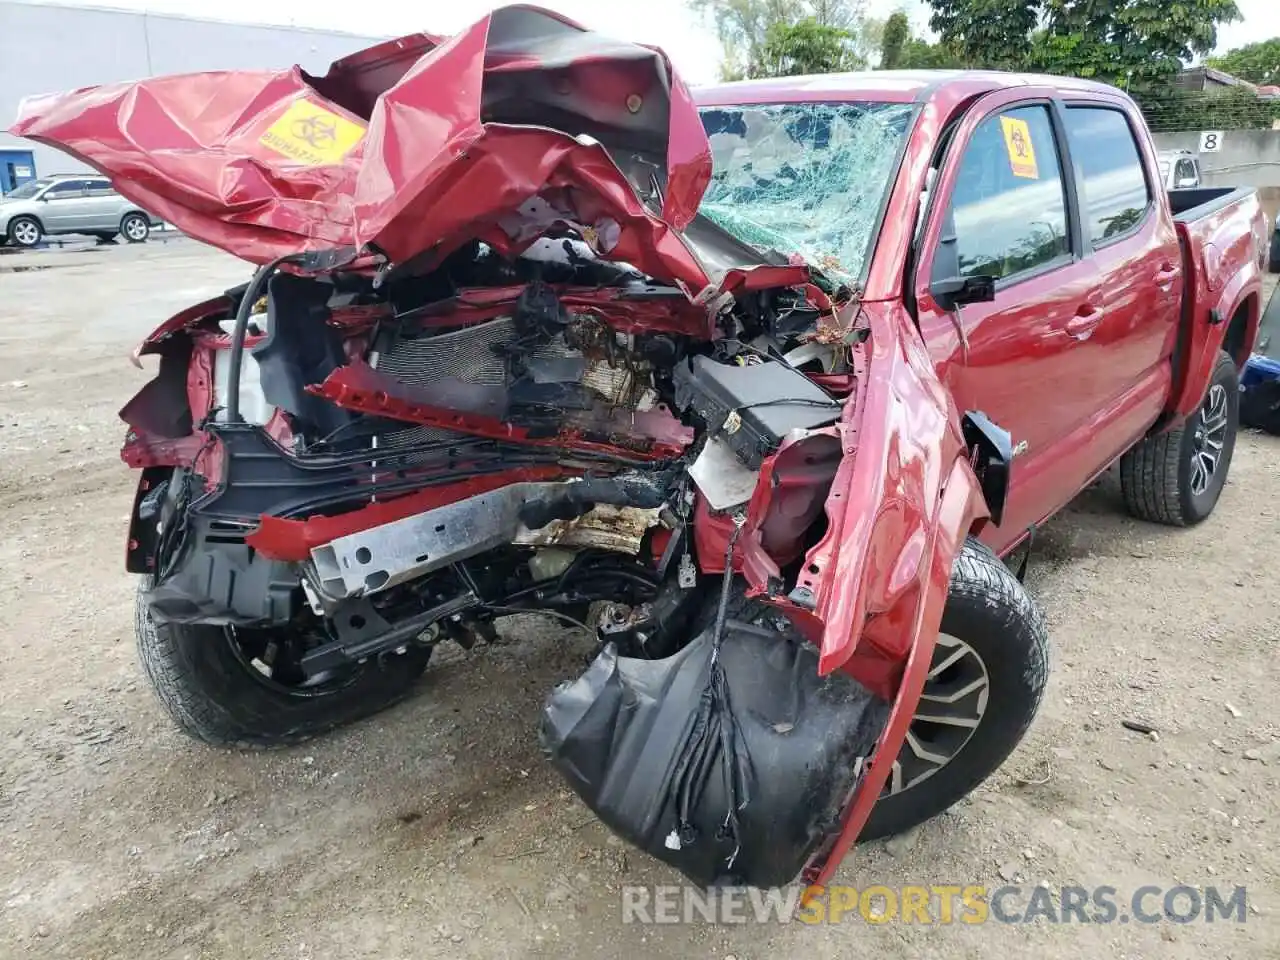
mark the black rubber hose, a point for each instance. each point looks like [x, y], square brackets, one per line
[251, 294]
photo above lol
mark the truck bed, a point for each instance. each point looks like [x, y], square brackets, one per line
[1198, 202]
[1219, 230]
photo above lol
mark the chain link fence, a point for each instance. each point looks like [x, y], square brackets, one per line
[1173, 111]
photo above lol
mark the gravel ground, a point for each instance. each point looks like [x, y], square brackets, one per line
[437, 829]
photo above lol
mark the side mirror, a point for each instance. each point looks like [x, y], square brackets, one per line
[948, 288]
[951, 292]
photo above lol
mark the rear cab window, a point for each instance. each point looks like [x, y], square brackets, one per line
[1009, 204]
[1114, 194]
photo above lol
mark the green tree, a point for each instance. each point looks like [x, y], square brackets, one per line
[1133, 43]
[744, 29]
[841, 14]
[866, 39]
[899, 50]
[1139, 44]
[1256, 62]
[922, 55]
[986, 33]
[742, 25]
[806, 46]
[896, 36]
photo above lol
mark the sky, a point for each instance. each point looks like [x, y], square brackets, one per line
[668, 24]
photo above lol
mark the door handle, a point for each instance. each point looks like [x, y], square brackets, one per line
[1166, 275]
[1084, 322]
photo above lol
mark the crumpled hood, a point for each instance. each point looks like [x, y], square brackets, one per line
[411, 148]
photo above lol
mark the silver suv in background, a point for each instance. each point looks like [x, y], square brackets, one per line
[1180, 169]
[74, 203]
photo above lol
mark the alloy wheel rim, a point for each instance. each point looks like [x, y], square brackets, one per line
[26, 232]
[951, 708]
[135, 229]
[273, 659]
[1210, 434]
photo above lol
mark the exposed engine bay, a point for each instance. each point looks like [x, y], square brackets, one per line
[386, 465]
[496, 359]
[408, 460]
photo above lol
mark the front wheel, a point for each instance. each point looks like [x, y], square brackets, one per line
[135, 228]
[983, 689]
[244, 688]
[25, 231]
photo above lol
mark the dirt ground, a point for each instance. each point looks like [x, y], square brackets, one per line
[437, 828]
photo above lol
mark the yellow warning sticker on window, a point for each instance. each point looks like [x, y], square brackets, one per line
[1017, 141]
[312, 135]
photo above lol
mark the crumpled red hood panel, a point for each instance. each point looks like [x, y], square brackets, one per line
[411, 148]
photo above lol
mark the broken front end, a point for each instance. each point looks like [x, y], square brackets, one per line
[489, 367]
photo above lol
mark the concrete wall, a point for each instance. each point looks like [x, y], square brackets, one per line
[1249, 158]
[48, 48]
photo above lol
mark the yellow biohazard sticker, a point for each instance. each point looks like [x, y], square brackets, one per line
[1017, 142]
[312, 135]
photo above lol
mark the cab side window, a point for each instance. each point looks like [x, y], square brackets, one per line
[65, 190]
[1115, 196]
[1008, 206]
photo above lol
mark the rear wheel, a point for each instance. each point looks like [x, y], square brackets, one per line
[1176, 477]
[232, 687]
[25, 231]
[135, 227]
[983, 689]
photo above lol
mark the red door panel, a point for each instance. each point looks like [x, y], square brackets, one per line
[1132, 239]
[1015, 358]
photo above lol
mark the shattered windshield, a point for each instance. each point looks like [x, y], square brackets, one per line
[804, 179]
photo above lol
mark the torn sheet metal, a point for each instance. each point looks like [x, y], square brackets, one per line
[417, 144]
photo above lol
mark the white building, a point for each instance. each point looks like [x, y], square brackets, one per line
[47, 48]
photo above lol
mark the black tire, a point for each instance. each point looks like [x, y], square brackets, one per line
[135, 227]
[19, 231]
[990, 613]
[215, 696]
[1159, 479]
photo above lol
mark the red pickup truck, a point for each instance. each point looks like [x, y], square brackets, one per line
[774, 371]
